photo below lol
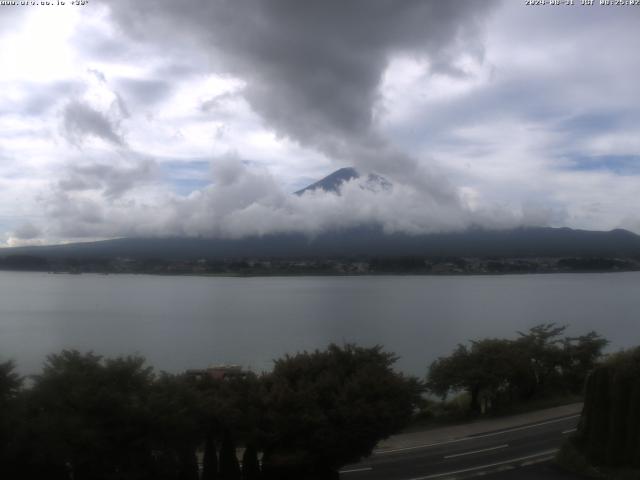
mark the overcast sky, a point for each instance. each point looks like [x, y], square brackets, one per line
[200, 117]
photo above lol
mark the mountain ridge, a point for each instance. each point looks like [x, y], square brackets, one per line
[332, 182]
[359, 242]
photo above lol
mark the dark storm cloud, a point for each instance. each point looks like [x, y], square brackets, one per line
[313, 68]
[81, 120]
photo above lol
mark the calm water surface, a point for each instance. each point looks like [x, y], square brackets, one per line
[187, 322]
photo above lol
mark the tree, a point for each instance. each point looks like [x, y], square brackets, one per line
[542, 346]
[188, 464]
[87, 416]
[581, 355]
[250, 464]
[495, 372]
[178, 422]
[229, 466]
[487, 371]
[235, 406]
[329, 408]
[10, 387]
[210, 459]
[449, 373]
[10, 382]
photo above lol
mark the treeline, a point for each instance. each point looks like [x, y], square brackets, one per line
[496, 373]
[85, 417]
[24, 262]
[357, 265]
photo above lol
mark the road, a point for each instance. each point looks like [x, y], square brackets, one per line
[479, 454]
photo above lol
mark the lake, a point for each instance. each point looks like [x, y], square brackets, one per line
[180, 322]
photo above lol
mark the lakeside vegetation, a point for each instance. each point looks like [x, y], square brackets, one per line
[89, 417]
[495, 374]
[362, 265]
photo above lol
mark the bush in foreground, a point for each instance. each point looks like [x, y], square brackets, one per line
[608, 436]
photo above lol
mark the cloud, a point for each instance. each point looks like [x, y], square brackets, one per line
[145, 92]
[245, 200]
[312, 72]
[472, 121]
[27, 231]
[111, 180]
[82, 121]
[77, 217]
[12, 17]
[33, 99]
[216, 102]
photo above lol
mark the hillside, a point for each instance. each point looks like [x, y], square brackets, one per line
[360, 242]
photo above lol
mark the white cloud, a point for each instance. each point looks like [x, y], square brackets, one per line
[511, 116]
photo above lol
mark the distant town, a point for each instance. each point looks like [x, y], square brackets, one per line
[321, 266]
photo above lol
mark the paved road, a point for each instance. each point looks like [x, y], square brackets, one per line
[538, 471]
[496, 451]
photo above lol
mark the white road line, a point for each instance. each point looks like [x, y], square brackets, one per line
[354, 470]
[456, 455]
[466, 439]
[482, 467]
[571, 430]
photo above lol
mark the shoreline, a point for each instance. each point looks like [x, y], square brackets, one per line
[329, 274]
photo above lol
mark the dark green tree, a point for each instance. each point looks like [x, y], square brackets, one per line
[229, 466]
[580, 356]
[210, 459]
[87, 416]
[498, 372]
[10, 389]
[178, 426]
[542, 346]
[488, 371]
[330, 408]
[188, 464]
[10, 382]
[449, 373]
[250, 464]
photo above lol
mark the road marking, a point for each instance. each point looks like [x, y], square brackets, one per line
[455, 455]
[355, 470]
[466, 439]
[571, 430]
[482, 467]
